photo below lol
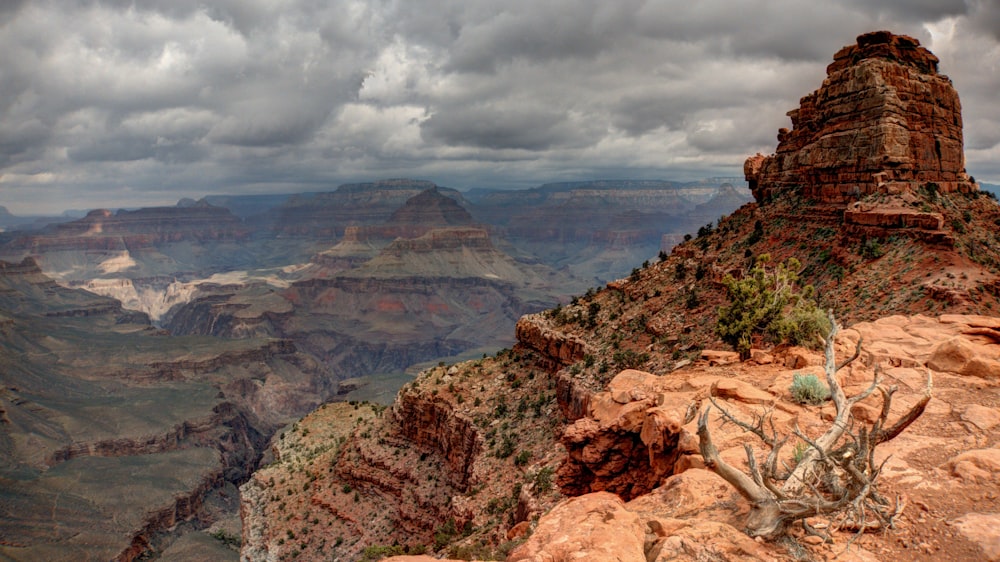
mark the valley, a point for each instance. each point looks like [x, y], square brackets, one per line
[581, 440]
[150, 355]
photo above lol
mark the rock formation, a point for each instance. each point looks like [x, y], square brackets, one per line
[136, 230]
[884, 119]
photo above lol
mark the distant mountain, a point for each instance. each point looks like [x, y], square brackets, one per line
[10, 221]
[327, 215]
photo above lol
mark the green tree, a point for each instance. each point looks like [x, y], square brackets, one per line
[767, 302]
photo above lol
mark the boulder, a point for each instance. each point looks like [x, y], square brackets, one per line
[977, 465]
[983, 529]
[590, 527]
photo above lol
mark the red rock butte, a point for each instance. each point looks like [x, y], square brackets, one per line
[884, 120]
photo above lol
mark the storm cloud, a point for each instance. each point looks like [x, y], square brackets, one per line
[118, 103]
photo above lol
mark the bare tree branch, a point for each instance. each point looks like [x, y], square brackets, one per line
[837, 476]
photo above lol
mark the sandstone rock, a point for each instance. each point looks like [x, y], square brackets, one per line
[884, 120]
[971, 320]
[685, 495]
[706, 540]
[983, 417]
[982, 367]
[631, 385]
[560, 348]
[952, 355]
[983, 529]
[519, 530]
[761, 357]
[716, 357]
[800, 358]
[977, 465]
[628, 442]
[590, 527]
[732, 389]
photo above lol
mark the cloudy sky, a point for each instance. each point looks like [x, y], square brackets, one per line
[112, 103]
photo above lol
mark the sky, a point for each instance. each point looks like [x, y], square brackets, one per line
[117, 103]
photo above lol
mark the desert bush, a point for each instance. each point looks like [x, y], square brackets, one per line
[628, 359]
[522, 458]
[871, 249]
[543, 480]
[767, 302]
[800, 325]
[807, 389]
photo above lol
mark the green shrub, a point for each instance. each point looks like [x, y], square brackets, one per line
[807, 389]
[378, 552]
[543, 480]
[801, 325]
[871, 249]
[766, 302]
[628, 359]
[522, 458]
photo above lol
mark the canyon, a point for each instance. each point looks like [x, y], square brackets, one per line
[127, 431]
[149, 356]
[580, 440]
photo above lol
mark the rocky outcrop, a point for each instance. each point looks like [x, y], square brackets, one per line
[557, 347]
[433, 424]
[883, 116]
[630, 440]
[682, 520]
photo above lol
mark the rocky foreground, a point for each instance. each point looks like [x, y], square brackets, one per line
[632, 440]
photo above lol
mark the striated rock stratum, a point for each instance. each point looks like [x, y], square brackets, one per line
[883, 118]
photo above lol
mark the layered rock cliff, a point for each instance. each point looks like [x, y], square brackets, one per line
[883, 119]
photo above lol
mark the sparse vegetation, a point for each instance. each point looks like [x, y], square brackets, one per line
[836, 476]
[807, 389]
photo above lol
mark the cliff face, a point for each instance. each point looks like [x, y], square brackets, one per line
[441, 294]
[136, 230]
[884, 115]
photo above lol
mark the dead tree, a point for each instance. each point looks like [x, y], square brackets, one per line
[836, 476]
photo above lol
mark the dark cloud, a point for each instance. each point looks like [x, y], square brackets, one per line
[107, 100]
[984, 16]
[9, 9]
[488, 127]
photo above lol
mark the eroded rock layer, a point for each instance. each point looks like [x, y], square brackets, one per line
[883, 115]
